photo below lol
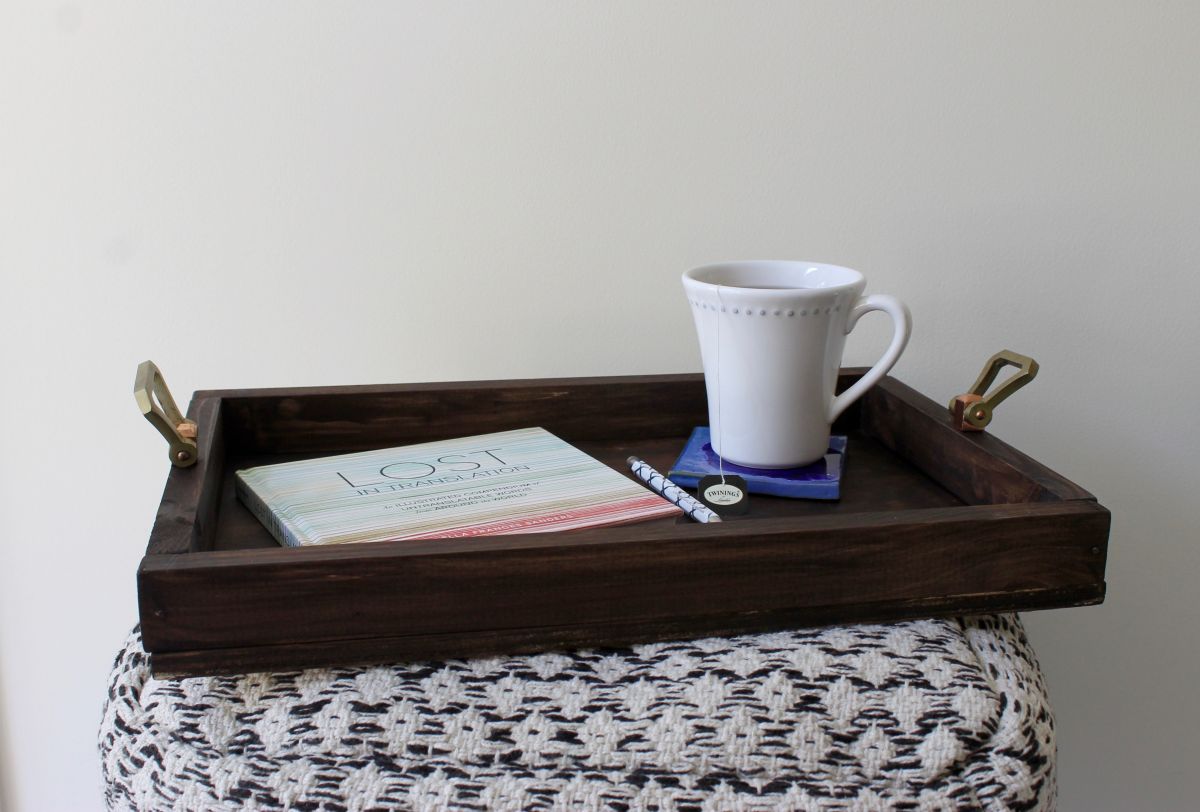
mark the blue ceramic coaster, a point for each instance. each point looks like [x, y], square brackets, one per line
[818, 480]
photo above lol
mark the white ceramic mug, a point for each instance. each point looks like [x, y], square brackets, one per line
[771, 339]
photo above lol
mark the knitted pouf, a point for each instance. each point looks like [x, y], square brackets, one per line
[933, 714]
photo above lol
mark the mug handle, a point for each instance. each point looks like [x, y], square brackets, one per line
[901, 328]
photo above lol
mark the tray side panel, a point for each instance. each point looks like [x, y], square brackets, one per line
[344, 419]
[517, 641]
[975, 466]
[187, 514]
[622, 576]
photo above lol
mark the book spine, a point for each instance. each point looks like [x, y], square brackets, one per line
[278, 528]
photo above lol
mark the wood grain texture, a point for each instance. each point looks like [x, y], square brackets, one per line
[344, 419]
[932, 522]
[187, 514]
[975, 466]
[409, 648]
[615, 575]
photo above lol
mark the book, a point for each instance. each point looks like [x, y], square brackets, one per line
[817, 480]
[522, 481]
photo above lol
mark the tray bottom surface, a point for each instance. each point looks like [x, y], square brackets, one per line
[875, 480]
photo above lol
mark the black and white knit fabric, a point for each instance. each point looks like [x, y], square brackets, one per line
[923, 715]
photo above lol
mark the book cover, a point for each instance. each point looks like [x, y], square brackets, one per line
[522, 481]
[818, 480]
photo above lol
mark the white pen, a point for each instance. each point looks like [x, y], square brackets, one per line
[694, 508]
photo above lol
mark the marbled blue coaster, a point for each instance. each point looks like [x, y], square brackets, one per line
[818, 480]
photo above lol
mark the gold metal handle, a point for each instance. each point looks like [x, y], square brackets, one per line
[154, 399]
[973, 411]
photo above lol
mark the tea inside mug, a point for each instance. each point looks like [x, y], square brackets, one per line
[771, 275]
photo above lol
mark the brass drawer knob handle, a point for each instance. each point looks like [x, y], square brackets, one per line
[973, 411]
[154, 399]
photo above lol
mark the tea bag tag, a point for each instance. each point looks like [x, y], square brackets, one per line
[725, 496]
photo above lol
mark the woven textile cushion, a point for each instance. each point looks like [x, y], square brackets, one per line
[933, 714]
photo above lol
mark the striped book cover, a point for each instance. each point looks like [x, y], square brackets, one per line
[522, 481]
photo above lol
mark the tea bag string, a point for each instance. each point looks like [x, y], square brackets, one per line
[720, 422]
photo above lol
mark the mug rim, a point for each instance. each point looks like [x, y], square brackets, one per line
[692, 275]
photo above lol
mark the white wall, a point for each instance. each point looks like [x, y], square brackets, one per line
[314, 193]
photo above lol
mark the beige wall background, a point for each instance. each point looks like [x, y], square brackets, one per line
[308, 193]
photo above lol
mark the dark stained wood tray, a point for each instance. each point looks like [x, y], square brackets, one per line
[932, 522]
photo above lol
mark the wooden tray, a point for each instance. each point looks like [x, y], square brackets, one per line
[932, 522]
